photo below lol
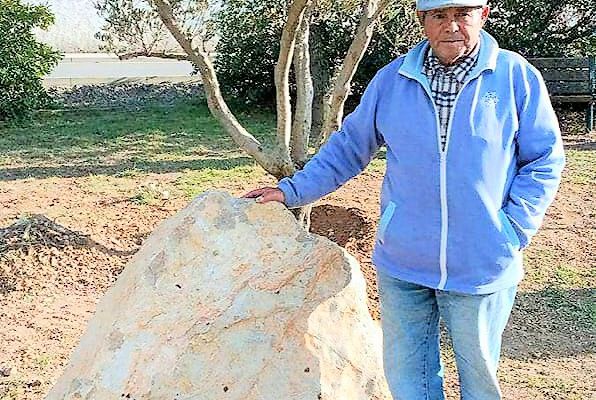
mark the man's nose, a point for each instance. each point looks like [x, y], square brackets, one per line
[452, 25]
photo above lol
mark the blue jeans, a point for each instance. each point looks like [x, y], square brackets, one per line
[410, 321]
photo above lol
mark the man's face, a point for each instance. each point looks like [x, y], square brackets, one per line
[454, 31]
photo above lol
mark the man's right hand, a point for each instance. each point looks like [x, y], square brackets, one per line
[265, 195]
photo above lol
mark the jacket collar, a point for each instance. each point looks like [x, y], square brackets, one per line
[487, 58]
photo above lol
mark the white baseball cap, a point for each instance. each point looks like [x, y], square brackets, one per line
[425, 5]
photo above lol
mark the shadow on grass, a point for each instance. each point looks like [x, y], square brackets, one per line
[122, 169]
[552, 323]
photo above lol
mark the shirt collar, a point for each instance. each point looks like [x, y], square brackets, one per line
[432, 65]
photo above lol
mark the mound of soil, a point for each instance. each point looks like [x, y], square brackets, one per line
[38, 253]
[354, 230]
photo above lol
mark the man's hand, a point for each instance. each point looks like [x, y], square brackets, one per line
[265, 195]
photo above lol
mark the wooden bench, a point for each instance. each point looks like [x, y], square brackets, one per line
[570, 80]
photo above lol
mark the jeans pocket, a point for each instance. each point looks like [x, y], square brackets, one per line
[509, 231]
[384, 223]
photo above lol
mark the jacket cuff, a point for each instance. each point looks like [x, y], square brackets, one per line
[290, 195]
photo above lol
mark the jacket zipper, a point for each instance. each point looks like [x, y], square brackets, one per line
[444, 208]
[443, 173]
[442, 187]
[444, 212]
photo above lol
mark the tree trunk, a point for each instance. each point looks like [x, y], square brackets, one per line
[304, 95]
[282, 72]
[317, 117]
[277, 162]
[302, 215]
[321, 77]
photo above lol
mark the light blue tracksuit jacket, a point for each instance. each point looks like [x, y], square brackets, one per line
[453, 219]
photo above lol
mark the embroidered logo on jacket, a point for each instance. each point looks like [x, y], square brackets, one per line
[490, 99]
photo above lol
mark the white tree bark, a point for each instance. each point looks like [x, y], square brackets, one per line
[276, 162]
[342, 80]
[282, 72]
[302, 124]
[292, 135]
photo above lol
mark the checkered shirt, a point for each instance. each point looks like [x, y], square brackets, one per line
[445, 83]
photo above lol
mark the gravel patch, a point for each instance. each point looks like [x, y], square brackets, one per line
[126, 95]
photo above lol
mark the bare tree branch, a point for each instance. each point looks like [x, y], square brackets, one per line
[334, 105]
[276, 163]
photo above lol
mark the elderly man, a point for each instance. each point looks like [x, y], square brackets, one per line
[474, 158]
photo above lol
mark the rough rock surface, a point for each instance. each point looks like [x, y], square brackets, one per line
[230, 299]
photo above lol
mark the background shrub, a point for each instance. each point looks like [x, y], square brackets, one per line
[250, 32]
[249, 43]
[23, 60]
[544, 28]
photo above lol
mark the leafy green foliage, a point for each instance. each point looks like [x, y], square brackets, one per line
[247, 51]
[23, 60]
[251, 29]
[250, 32]
[129, 25]
[543, 28]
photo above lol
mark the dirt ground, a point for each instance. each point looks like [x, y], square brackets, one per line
[56, 264]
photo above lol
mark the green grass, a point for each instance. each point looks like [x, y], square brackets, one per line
[101, 145]
[581, 166]
[195, 182]
[573, 307]
[124, 143]
[149, 194]
[44, 360]
[567, 276]
[555, 384]
[377, 165]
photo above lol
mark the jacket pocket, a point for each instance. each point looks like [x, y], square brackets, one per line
[509, 231]
[385, 219]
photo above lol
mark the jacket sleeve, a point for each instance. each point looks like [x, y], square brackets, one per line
[540, 158]
[346, 153]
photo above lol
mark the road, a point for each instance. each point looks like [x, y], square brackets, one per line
[85, 68]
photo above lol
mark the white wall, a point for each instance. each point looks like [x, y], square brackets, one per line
[83, 69]
[75, 26]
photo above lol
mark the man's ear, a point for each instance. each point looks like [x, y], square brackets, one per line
[485, 13]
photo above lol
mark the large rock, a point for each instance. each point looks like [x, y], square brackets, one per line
[230, 299]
